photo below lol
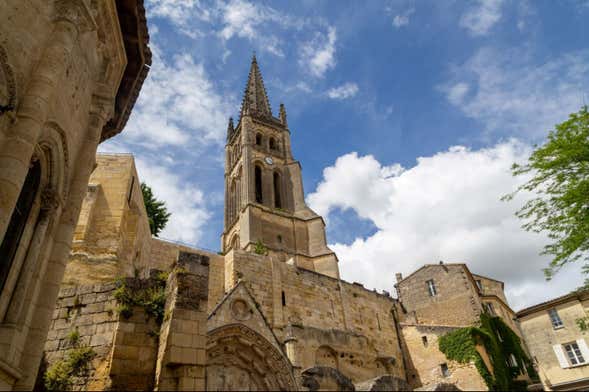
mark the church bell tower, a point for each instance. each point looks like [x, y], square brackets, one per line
[265, 210]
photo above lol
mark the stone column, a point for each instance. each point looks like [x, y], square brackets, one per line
[17, 148]
[50, 207]
[45, 303]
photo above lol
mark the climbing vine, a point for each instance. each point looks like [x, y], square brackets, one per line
[500, 343]
[260, 248]
[151, 297]
[59, 376]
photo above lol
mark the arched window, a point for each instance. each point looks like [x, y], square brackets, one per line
[18, 220]
[258, 183]
[235, 242]
[277, 200]
[232, 202]
[272, 143]
[259, 139]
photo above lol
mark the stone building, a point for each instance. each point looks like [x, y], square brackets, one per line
[70, 71]
[557, 343]
[440, 298]
[269, 312]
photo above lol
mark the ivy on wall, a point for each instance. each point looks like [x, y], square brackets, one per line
[500, 342]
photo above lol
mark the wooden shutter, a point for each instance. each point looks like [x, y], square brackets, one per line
[584, 349]
[561, 356]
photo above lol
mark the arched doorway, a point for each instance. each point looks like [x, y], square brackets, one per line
[239, 358]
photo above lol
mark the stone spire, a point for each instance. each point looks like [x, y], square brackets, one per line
[255, 100]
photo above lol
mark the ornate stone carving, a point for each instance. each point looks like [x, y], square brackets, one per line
[239, 358]
[50, 199]
[76, 12]
[240, 310]
[7, 85]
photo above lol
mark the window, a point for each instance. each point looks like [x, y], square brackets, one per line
[511, 361]
[277, 201]
[489, 308]
[424, 341]
[499, 336]
[131, 190]
[258, 139]
[283, 299]
[555, 319]
[445, 370]
[431, 288]
[18, 220]
[573, 353]
[272, 143]
[479, 284]
[258, 181]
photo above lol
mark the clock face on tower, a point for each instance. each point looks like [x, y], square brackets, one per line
[269, 160]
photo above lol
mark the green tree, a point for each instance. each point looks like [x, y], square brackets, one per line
[157, 213]
[559, 171]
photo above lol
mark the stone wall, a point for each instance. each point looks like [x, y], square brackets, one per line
[424, 360]
[456, 301]
[181, 356]
[90, 312]
[355, 324]
[52, 57]
[541, 338]
[124, 348]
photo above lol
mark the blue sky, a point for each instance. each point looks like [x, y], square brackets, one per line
[405, 115]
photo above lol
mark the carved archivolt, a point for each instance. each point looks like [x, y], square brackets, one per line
[54, 144]
[7, 84]
[239, 358]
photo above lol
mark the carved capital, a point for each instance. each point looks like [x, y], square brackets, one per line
[102, 107]
[75, 12]
[50, 200]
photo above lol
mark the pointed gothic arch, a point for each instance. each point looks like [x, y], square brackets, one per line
[258, 139]
[258, 183]
[277, 187]
[238, 358]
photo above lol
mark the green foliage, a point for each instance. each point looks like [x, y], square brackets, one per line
[59, 375]
[260, 248]
[157, 213]
[74, 337]
[460, 345]
[560, 170]
[151, 299]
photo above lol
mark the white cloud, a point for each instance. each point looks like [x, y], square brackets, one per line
[447, 208]
[178, 105]
[318, 55]
[480, 18]
[183, 200]
[457, 92]
[346, 90]
[402, 19]
[245, 20]
[509, 92]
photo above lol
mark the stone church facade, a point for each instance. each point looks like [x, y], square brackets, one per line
[70, 71]
[269, 312]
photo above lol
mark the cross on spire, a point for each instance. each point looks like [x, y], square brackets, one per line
[255, 100]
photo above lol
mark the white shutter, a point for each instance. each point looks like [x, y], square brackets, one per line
[562, 359]
[584, 349]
